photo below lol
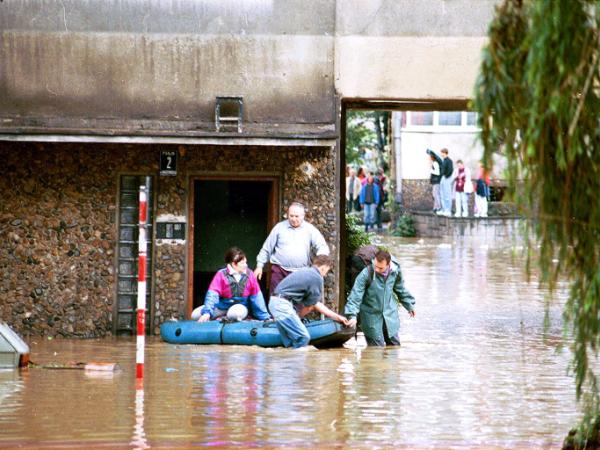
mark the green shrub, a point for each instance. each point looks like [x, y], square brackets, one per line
[356, 236]
[405, 226]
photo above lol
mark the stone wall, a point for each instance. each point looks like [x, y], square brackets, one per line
[487, 229]
[416, 195]
[58, 225]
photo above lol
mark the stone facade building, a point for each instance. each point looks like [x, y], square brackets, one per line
[227, 110]
[61, 236]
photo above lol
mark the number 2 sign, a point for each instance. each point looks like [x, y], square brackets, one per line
[168, 162]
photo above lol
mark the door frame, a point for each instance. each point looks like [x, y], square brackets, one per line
[272, 219]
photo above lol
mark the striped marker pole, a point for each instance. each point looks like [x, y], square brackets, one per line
[141, 294]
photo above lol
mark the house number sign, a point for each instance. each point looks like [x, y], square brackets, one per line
[168, 162]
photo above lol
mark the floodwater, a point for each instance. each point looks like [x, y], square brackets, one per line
[476, 370]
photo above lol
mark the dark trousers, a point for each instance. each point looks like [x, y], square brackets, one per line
[349, 205]
[381, 341]
[277, 274]
[352, 205]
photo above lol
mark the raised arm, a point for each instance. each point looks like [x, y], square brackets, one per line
[437, 157]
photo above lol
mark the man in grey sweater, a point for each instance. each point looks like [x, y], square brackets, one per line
[288, 246]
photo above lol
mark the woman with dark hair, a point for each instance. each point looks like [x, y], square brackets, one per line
[362, 176]
[233, 292]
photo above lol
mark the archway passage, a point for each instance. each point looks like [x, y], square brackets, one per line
[227, 213]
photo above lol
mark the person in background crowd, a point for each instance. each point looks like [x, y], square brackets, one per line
[288, 247]
[297, 295]
[369, 199]
[447, 170]
[482, 192]
[463, 186]
[235, 284]
[362, 176]
[353, 187]
[380, 181]
[434, 179]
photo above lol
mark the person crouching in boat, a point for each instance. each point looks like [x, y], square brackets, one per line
[232, 286]
[298, 294]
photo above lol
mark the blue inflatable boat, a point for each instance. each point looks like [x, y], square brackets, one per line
[324, 333]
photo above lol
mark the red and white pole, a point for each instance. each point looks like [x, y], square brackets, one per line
[141, 293]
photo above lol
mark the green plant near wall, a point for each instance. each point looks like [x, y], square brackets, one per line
[405, 226]
[355, 238]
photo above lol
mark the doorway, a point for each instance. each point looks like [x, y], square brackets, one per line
[227, 212]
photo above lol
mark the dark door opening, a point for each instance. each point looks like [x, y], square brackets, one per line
[228, 213]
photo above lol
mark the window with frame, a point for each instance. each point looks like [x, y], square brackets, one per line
[421, 118]
[471, 119]
[449, 118]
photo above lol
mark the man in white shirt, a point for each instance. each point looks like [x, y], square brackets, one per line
[288, 247]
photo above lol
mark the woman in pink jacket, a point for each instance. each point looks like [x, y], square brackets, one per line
[235, 284]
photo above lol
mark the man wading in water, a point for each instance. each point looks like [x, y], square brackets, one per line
[371, 299]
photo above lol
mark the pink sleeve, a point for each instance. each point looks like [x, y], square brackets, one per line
[216, 284]
[253, 287]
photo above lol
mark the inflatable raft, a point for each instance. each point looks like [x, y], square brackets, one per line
[324, 333]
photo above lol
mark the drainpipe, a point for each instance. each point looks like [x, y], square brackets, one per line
[397, 129]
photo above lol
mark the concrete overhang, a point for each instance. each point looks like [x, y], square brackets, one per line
[133, 131]
[390, 104]
[233, 140]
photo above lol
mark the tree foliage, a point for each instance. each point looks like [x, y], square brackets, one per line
[367, 129]
[356, 237]
[538, 95]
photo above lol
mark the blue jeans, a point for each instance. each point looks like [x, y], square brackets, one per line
[446, 194]
[369, 214]
[293, 331]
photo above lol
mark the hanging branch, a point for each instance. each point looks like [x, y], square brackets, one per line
[538, 101]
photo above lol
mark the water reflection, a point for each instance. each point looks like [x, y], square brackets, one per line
[139, 440]
[476, 369]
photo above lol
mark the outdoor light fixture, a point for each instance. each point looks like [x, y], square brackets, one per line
[229, 111]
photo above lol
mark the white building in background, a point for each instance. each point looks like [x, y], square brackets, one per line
[416, 131]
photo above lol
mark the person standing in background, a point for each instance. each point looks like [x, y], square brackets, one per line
[380, 181]
[463, 186]
[482, 192]
[362, 176]
[369, 199]
[434, 179]
[447, 170]
[353, 187]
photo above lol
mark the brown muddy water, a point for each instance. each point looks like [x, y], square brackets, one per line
[475, 370]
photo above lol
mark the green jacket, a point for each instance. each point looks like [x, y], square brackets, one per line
[378, 304]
